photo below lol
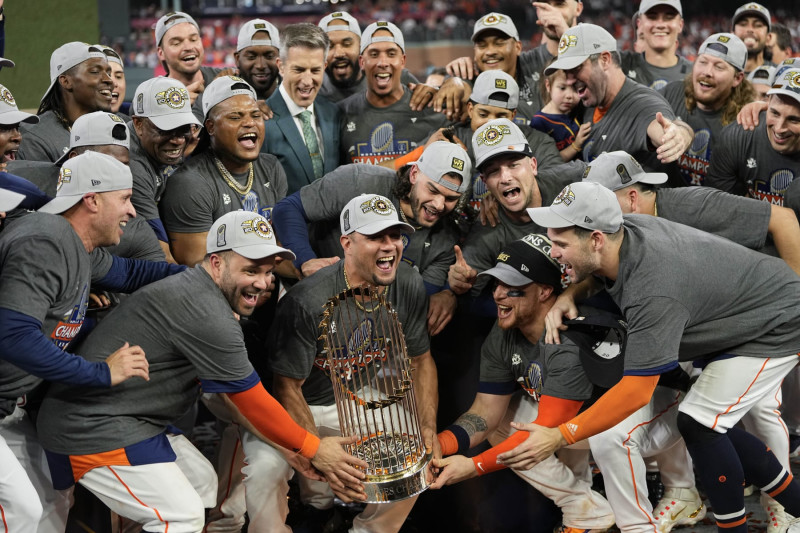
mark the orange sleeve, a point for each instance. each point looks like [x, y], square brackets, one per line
[410, 157]
[552, 412]
[617, 404]
[272, 420]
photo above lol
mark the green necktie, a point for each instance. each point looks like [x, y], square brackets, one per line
[310, 137]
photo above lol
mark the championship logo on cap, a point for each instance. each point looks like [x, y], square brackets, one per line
[493, 134]
[64, 176]
[258, 226]
[500, 83]
[382, 24]
[503, 257]
[377, 204]
[260, 26]
[457, 164]
[566, 42]
[492, 19]
[338, 14]
[174, 97]
[752, 6]
[565, 197]
[622, 172]
[221, 236]
[346, 219]
[7, 97]
[140, 104]
[723, 38]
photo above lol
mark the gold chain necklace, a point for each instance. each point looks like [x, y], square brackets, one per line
[355, 297]
[231, 181]
[405, 219]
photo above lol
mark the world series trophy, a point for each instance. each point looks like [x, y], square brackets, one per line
[366, 356]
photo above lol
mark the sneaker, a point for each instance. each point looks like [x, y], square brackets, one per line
[777, 519]
[679, 507]
[792, 526]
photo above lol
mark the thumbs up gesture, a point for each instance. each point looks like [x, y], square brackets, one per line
[461, 276]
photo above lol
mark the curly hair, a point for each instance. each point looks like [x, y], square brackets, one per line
[742, 94]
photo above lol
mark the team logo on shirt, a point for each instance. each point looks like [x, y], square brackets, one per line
[493, 135]
[174, 97]
[695, 161]
[70, 324]
[772, 189]
[259, 226]
[567, 41]
[531, 380]
[565, 197]
[64, 176]
[6, 96]
[379, 205]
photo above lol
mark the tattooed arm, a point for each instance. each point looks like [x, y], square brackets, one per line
[471, 428]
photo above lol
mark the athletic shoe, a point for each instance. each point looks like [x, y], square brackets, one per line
[792, 526]
[778, 520]
[679, 507]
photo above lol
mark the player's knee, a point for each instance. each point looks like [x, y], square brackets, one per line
[26, 513]
[693, 432]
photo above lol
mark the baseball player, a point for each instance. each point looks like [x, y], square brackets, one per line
[745, 333]
[45, 272]
[10, 119]
[256, 56]
[372, 239]
[122, 453]
[527, 282]
[751, 23]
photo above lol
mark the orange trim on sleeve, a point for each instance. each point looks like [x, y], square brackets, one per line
[272, 420]
[410, 157]
[617, 404]
[447, 442]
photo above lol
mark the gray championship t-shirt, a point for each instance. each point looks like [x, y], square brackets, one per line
[624, 126]
[197, 195]
[745, 164]
[687, 294]
[336, 94]
[46, 141]
[707, 127]
[373, 134]
[636, 67]
[43, 174]
[428, 250]
[187, 329]
[294, 347]
[138, 241]
[507, 358]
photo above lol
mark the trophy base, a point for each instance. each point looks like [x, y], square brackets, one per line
[399, 486]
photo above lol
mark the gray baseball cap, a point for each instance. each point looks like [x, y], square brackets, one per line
[10, 200]
[246, 233]
[172, 19]
[442, 157]
[647, 5]
[111, 54]
[10, 113]
[786, 64]
[223, 88]
[762, 75]
[752, 9]
[788, 84]
[525, 261]
[495, 21]
[578, 43]
[249, 29]
[165, 101]
[498, 136]
[491, 82]
[585, 204]
[726, 46]
[352, 23]
[87, 173]
[6, 62]
[397, 36]
[369, 214]
[69, 55]
[99, 128]
[617, 170]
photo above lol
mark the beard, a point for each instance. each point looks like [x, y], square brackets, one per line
[350, 80]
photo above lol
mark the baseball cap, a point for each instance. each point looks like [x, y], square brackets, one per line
[585, 204]
[727, 47]
[752, 8]
[397, 36]
[369, 214]
[111, 54]
[578, 43]
[352, 23]
[249, 29]
[223, 88]
[10, 200]
[491, 82]
[165, 102]
[172, 19]
[498, 136]
[762, 75]
[442, 157]
[97, 129]
[788, 84]
[246, 233]
[525, 261]
[33, 197]
[6, 62]
[69, 55]
[647, 5]
[786, 64]
[495, 21]
[10, 113]
[617, 170]
[87, 173]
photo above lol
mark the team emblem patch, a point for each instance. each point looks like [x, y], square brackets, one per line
[260, 26]
[565, 197]
[64, 176]
[6, 96]
[221, 241]
[567, 41]
[500, 84]
[458, 164]
[259, 226]
[723, 38]
[379, 205]
[503, 257]
[493, 135]
[492, 19]
[338, 14]
[623, 174]
[174, 97]
[382, 24]
[115, 118]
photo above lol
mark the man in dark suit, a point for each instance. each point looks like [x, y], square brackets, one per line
[304, 130]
